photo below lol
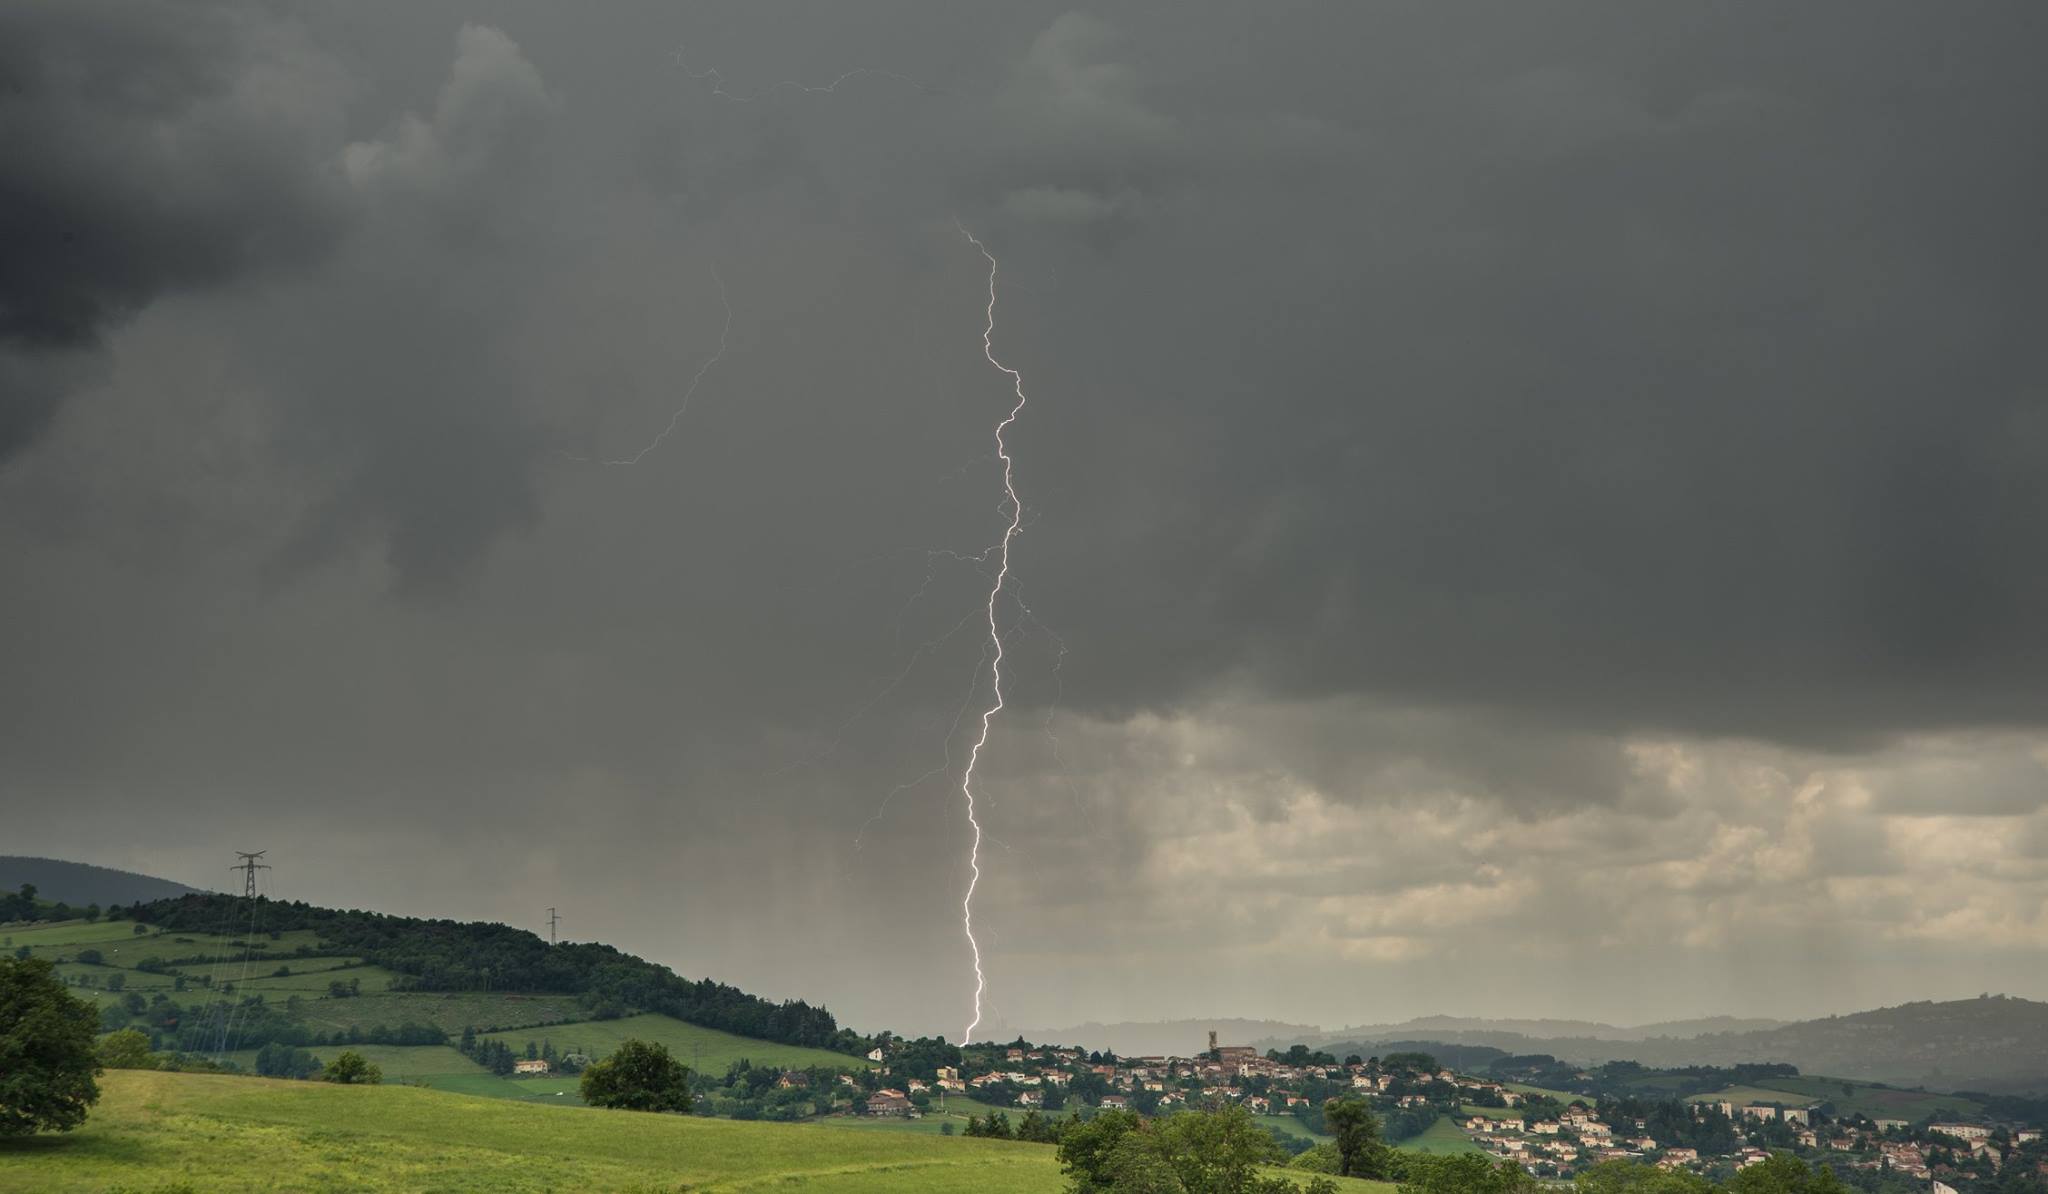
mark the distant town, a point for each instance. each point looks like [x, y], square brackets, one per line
[1553, 1133]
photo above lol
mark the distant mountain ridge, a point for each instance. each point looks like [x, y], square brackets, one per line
[1181, 1038]
[81, 883]
[1992, 1043]
[1411, 1029]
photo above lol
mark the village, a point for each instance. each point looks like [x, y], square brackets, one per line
[1551, 1133]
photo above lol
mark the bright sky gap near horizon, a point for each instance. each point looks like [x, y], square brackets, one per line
[1540, 490]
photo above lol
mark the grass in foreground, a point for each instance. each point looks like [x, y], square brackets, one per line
[169, 1132]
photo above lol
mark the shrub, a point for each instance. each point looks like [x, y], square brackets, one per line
[352, 1069]
[127, 1049]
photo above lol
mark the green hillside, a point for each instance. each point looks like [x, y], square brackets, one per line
[193, 969]
[179, 980]
[706, 1050]
[1442, 1138]
[931, 1123]
[158, 1132]
[1860, 1098]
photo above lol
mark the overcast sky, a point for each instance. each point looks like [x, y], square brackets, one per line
[1529, 509]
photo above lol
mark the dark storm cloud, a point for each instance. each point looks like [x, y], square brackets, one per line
[1446, 423]
[147, 151]
[1648, 372]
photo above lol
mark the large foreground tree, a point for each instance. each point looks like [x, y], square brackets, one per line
[638, 1077]
[47, 1061]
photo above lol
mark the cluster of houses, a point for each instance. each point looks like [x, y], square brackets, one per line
[1228, 1074]
[1556, 1147]
[1973, 1142]
[1556, 1144]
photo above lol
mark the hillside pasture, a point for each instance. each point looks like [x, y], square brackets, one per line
[449, 1011]
[956, 1113]
[311, 983]
[400, 1063]
[1562, 1096]
[1443, 1138]
[1287, 1125]
[1743, 1096]
[60, 933]
[706, 1050]
[162, 1132]
[1877, 1102]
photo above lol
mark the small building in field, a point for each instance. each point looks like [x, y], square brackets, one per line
[888, 1102]
[530, 1066]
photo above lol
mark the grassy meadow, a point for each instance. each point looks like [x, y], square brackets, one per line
[1287, 1125]
[160, 1133]
[930, 1123]
[1850, 1098]
[706, 1050]
[1441, 1139]
[1742, 1096]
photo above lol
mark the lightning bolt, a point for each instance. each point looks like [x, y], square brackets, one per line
[689, 392]
[995, 634]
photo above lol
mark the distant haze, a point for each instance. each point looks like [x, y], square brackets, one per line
[1531, 510]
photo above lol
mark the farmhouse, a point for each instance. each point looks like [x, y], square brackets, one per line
[888, 1102]
[532, 1066]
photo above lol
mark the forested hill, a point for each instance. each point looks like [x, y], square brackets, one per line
[81, 883]
[446, 955]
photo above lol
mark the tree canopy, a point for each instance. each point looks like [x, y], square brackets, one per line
[638, 1076]
[48, 1065]
[1188, 1152]
[352, 1069]
[1360, 1152]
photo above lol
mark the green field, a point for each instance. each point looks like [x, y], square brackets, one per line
[956, 1113]
[1874, 1101]
[1287, 1125]
[158, 1133]
[72, 933]
[400, 1063]
[1491, 1112]
[1562, 1096]
[1742, 1096]
[1443, 1138]
[706, 1050]
[449, 1011]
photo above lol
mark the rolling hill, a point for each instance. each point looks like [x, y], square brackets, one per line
[1179, 1038]
[80, 883]
[1992, 1043]
[190, 990]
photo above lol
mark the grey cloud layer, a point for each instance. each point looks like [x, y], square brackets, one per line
[1435, 409]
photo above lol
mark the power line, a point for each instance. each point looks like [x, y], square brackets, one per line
[249, 866]
[552, 921]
